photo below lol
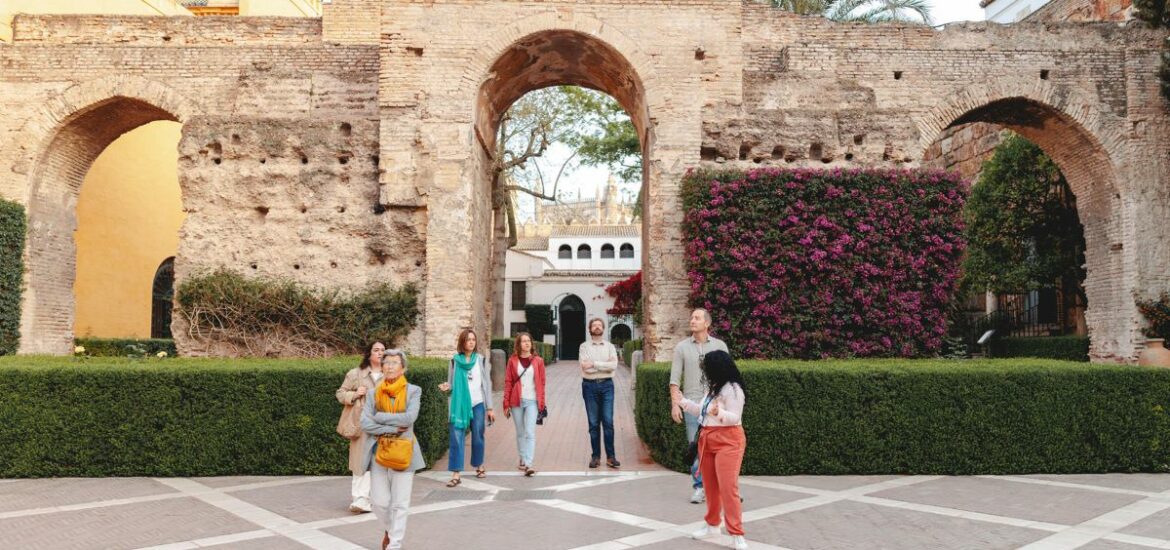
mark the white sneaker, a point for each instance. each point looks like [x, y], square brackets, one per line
[698, 496]
[738, 542]
[360, 506]
[705, 531]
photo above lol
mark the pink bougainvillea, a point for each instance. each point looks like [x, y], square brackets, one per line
[825, 263]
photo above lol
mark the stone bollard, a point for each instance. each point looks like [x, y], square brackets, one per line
[635, 360]
[499, 364]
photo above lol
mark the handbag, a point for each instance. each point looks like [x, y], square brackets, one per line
[693, 447]
[349, 425]
[395, 451]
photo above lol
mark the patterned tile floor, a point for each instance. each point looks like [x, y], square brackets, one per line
[569, 507]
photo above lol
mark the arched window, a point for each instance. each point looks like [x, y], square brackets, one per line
[565, 252]
[584, 252]
[607, 251]
[627, 250]
[162, 299]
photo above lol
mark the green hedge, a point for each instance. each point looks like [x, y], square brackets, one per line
[125, 347]
[1065, 348]
[187, 417]
[934, 417]
[548, 352]
[12, 236]
[628, 350]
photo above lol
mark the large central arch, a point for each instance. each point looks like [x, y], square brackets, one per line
[530, 55]
[78, 124]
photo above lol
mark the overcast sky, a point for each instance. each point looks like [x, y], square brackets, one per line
[946, 11]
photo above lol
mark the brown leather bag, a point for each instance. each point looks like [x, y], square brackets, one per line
[350, 423]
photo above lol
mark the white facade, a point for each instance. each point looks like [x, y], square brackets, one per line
[549, 278]
[1011, 11]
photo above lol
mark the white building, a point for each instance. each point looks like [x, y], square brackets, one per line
[569, 270]
[1010, 11]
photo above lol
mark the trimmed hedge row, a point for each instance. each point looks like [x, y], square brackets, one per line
[628, 350]
[1066, 348]
[187, 417]
[934, 417]
[12, 235]
[123, 347]
[548, 352]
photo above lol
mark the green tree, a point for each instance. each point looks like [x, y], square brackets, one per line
[1022, 227]
[870, 11]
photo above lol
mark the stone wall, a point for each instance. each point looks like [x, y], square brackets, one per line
[287, 122]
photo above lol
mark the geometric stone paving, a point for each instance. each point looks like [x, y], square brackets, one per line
[594, 511]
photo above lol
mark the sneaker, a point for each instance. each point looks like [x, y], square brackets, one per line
[613, 463]
[738, 542]
[705, 531]
[699, 496]
[360, 506]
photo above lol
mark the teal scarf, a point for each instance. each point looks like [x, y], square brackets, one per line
[461, 391]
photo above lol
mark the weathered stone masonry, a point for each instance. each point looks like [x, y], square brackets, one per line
[354, 147]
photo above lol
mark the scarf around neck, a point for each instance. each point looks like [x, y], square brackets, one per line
[461, 391]
[391, 395]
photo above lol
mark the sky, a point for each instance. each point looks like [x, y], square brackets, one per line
[586, 179]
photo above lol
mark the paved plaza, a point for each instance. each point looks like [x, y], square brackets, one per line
[567, 506]
[594, 511]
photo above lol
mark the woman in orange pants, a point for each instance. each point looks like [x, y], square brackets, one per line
[721, 443]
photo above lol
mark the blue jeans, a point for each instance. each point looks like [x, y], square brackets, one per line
[598, 396]
[524, 417]
[459, 437]
[692, 423]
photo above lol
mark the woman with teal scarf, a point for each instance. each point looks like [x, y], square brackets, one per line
[470, 384]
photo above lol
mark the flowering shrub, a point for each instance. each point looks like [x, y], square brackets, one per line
[626, 294]
[1157, 312]
[816, 264]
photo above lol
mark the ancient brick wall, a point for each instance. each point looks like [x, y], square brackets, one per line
[289, 122]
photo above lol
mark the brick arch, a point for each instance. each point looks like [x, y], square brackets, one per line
[533, 53]
[478, 68]
[68, 133]
[1083, 141]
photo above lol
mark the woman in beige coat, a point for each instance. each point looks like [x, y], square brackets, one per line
[358, 382]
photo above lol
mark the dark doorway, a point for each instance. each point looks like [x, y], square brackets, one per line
[571, 327]
[619, 334]
[162, 299]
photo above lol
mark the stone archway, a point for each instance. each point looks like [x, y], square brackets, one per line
[1083, 143]
[73, 129]
[553, 53]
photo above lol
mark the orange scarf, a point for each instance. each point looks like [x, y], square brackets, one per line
[391, 396]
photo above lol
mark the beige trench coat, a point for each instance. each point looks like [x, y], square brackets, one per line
[347, 395]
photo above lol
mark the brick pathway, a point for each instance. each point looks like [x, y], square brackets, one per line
[562, 443]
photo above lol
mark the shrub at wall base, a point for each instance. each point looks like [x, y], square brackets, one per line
[12, 236]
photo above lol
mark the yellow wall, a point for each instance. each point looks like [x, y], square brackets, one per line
[289, 8]
[9, 8]
[128, 218]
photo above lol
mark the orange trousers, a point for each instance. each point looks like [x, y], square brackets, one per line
[721, 451]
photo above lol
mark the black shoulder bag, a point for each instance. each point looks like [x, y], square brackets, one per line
[693, 448]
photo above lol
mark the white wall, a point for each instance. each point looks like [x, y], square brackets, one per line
[1010, 11]
[544, 290]
[595, 263]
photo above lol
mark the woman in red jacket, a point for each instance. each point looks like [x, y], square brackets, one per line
[524, 397]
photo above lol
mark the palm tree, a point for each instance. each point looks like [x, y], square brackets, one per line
[870, 11]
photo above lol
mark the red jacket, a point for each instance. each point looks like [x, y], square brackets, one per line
[512, 381]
